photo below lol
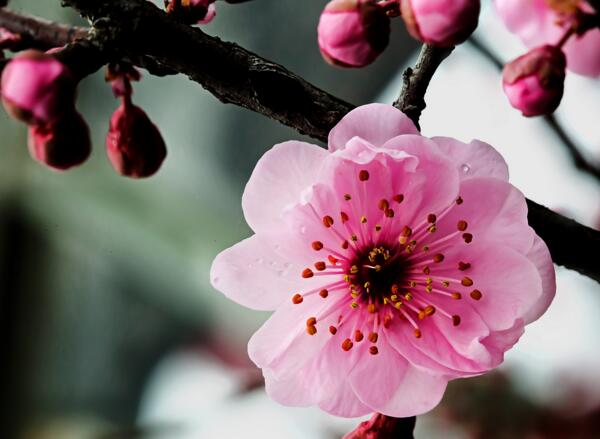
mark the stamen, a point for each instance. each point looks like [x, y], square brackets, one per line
[354, 269]
[418, 333]
[476, 294]
[320, 265]
[347, 197]
[307, 273]
[363, 175]
[372, 308]
[383, 204]
[456, 296]
[373, 350]
[324, 293]
[345, 245]
[467, 237]
[466, 281]
[398, 198]
[431, 218]
[377, 227]
[344, 216]
[456, 320]
[426, 270]
[333, 259]
[297, 299]
[333, 330]
[462, 225]
[429, 310]
[363, 219]
[438, 258]
[373, 337]
[462, 266]
[327, 221]
[311, 330]
[317, 245]
[354, 305]
[312, 321]
[459, 201]
[358, 336]
[389, 213]
[347, 345]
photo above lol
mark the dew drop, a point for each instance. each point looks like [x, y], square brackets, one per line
[465, 168]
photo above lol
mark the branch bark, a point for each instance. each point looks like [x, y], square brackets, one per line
[140, 31]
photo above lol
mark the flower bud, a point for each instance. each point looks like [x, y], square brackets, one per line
[534, 82]
[193, 11]
[353, 33]
[37, 88]
[63, 144]
[441, 22]
[382, 427]
[134, 145]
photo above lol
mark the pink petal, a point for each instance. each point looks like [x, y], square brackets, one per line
[475, 159]
[253, 274]
[540, 256]
[390, 385]
[494, 210]
[375, 123]
[277, 181]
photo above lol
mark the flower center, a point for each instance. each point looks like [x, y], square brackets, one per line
[386, 273]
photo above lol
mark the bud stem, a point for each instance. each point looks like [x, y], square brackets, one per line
[568, 34]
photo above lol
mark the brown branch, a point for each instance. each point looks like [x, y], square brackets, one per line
[416, 81]
[139, 30]
[579, 159]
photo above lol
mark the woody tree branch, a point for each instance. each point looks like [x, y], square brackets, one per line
[139, 31]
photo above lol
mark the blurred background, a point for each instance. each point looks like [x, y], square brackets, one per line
[109, 326]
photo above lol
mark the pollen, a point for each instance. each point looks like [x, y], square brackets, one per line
[347, 197]
[297, 299]
[354, 305]
[323, 293]
[426, 270]
[459, 201]
[317, 245]
[389, 213]
[377, 227]
[432, 229]
[307, 273]
[354, 237]
[476, 294]
[429, 310]
[431, 218]
[373, 350]
[372, 308]
[467, 237]
[398, 198]
[333, 330]
[438, 258]
[354, 269]
[312, 321]
[344, 217]
[347, 344]
[327, 221]
[418, 333]
[456, 320]
[373, 337]
[456, 296]
[332, 259]
[406, 231]
[462, 225]
[363, 175]
[463, 266]
[320, 265]
[466, 281]
[358, 336]
[363, 219]
[383, 204]
[345, 245]
[408, 296]
[311, 330]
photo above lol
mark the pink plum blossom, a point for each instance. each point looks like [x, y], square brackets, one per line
[394, 263]
[540, 22]
[441, 22]
[37, 88]
[353, 33]
[534, 83]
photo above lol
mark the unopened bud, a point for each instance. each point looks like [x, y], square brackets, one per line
[353, 33]
[63, 144]
[133, 144]
[441, 22]
[534, 82]
[193, 11]
[37, 88]
[383, 427]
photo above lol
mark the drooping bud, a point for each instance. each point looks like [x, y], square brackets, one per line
[441, 22]
[37, 88]
[63, 144]
[133, 144]
[193, 11]
[353, 33]
[383, 427]
[534, 82]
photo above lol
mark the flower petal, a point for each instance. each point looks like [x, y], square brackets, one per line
[375, 123]
[475, 159]
[390, 385]
[253, 274]
[277, 181]
[539, 255]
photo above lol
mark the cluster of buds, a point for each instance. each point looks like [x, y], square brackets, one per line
[194, 11]
[534, 82]
[39, 90]
[353, 33]
[134, 145]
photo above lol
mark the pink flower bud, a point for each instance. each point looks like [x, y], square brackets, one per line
[134, 145]
[352, 33]
[63, 144]
[382, 427]
[534, 82]
[193, 11]
[37, 88]
[441, 22]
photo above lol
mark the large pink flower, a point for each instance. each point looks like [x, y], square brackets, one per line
[537, 24]
[394, 263]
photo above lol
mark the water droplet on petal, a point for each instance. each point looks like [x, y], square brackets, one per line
[465, 168]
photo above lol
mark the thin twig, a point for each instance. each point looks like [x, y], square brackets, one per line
[144, 33]
[579, 159]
